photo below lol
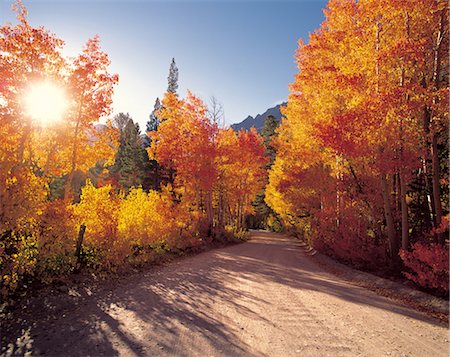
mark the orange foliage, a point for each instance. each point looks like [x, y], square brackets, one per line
[356, 121]
[56, 241]
[240, 164]
[184, 142]
[37, 235]
[218, 172]
[97, 210]
[32, 229]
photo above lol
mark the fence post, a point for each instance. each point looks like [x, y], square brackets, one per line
[80, 244]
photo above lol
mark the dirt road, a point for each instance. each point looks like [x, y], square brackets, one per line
[261, 298]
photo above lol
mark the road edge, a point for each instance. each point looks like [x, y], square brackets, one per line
[416, 299]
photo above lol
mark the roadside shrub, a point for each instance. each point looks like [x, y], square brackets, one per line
[349, 241]
[23, 196]
[146, 218]
[222, 235]
[274, 224]
[99, 211]
[428, 266]
[18, 252]
[56, 242]
[202, 228]
[230, 233]
[237, 234]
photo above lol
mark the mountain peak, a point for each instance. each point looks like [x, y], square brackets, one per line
[257, 122]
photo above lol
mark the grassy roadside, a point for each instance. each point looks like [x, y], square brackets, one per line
[88, 279]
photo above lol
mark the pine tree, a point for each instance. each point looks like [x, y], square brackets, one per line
[128, 168]
[121, 120]
[173, 78]
[265, 215]
[153, 122]
[267, 132]
[152, 170]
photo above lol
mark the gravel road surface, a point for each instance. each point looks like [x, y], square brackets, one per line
[265, 297]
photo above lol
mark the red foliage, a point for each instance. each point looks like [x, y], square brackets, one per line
[443, 227]
[349, 241]
[429, 266]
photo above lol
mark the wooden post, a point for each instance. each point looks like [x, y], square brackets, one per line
[80, 243]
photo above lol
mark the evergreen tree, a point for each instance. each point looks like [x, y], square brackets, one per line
[153, 122]
[155, 174]
[152, 170]
[173, 78]
[267, 132]
[128, 168]
[121, 120]
[265, 215]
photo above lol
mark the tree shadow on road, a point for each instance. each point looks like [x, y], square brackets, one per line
[146, 314]
[174, 310]
[296, 270]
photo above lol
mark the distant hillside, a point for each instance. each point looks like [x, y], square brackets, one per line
[92, 133]
[258, 121]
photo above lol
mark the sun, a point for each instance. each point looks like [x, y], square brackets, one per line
[46, 102]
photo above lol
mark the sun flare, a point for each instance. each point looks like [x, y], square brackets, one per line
[46, 102]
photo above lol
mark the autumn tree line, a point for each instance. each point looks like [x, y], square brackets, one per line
[361, 167]
[358, 166]
[77, 195]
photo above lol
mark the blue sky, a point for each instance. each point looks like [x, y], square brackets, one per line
[239, 51]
